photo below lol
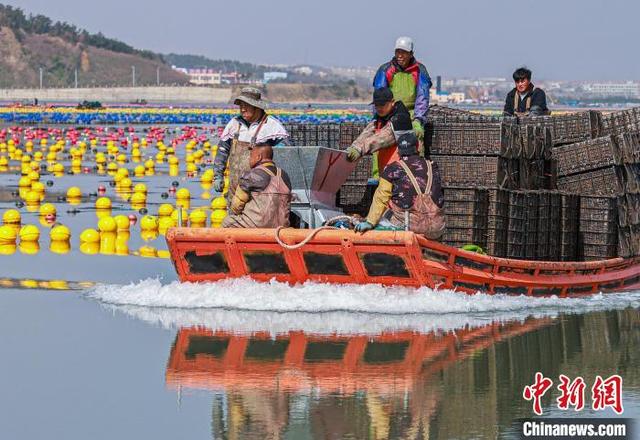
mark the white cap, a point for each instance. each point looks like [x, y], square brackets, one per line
[404, 43]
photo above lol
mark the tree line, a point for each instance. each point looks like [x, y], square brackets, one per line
[16, 19]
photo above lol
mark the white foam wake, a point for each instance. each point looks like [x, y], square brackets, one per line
[247, 306]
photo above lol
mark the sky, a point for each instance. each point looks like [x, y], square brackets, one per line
[557, 39]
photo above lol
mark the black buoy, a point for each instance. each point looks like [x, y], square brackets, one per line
[93, 195]
[15, 193]
[143, 211]
[175, 184]
[49, 182]
[112, 183]
[164, 195]
[19, 204]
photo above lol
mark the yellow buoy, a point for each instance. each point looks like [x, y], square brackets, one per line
[140, 188]
[7, 248]
[219, 203]
[24, 182]
[149, 223]
[122, 222]
[7, 234]
[107, 224]
[89, 236]
[74, 193]
[165, 210]
[139, 171]
[138, 198]
[198, 218]
[147, 251]
[103, 203]
[29, 247]
[125, 183]
[183, 194]
[60, 233]
[48, 209]
[217, 216]
[108, 243]
[89, 248]
[149, 235]
[33, 198]
[37, 187]
[122, 244]
[11, 216]
[165, 223]
[60, 247]
[29, 233]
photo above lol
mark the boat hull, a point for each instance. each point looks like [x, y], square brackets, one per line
[384, 257]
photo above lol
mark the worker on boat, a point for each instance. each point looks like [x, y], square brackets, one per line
[392, 119]
[409, 195]
[263, 196]
[253, 127]
[525, 99]
[409, 81]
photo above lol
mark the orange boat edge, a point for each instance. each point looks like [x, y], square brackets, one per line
[391, 258]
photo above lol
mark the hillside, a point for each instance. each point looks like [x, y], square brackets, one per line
[28, 43]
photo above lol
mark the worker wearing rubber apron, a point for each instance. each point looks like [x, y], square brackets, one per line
[253, 127]
[392, 119]
[409, 196]
[525, 99]
[263, 196]
[409, 81]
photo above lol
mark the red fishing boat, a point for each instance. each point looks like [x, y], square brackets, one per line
[297, 255]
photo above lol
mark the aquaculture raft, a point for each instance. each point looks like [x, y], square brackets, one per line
[384, 257]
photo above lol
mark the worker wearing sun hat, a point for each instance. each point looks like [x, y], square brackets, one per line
[408, 80]
[252, 128]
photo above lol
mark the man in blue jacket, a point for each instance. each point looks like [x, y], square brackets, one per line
[409, 81]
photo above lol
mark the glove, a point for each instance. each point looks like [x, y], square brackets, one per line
[418, 128]
[353, 154]
[218, 184]
[363, 227]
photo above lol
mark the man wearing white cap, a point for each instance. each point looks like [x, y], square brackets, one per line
[409, 81]
[252, 128]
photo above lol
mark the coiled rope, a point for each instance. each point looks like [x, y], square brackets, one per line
[308, 238]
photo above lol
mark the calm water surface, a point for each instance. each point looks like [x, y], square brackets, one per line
[74, 368]
[158, 359]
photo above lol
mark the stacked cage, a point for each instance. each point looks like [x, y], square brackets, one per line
[604, 171]
[475, 152]
[466, 212]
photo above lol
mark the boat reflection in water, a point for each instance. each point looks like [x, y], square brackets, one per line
[398, 384]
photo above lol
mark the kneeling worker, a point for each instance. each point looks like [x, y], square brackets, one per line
[263, 196]
[409, 195]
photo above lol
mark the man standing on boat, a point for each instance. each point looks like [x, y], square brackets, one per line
[252, 128]
[392, 119]
[525, 99]
[409, 81]
[263, 196]
[409, 195]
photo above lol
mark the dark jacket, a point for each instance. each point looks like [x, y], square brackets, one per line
[399, 117]
[536, 106]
